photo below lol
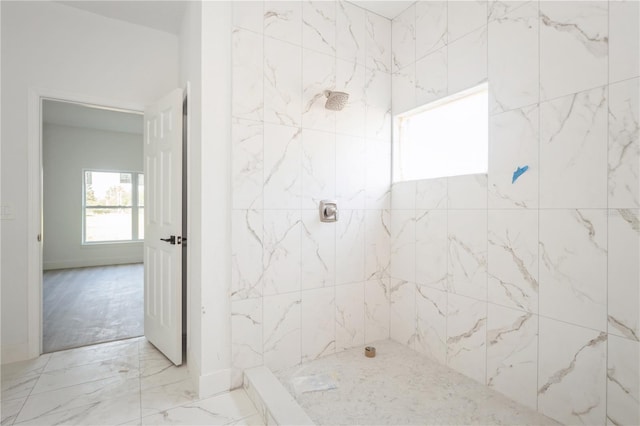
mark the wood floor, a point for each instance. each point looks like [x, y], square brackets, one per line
[85, 306]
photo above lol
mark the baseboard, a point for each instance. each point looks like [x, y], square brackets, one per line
[15, 353]
[66, 264]
[214, 383]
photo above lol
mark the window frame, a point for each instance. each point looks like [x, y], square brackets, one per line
[430, 105]
[135, 207]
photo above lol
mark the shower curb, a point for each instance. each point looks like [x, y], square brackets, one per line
[275, 405]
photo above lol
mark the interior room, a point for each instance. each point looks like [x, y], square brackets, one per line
[392, 212]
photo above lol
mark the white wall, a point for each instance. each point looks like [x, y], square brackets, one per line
[205, 63]
[302, 289]
[529, 287]
[67, 152]
[51, 46]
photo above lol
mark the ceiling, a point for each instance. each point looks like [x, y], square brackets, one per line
[167, 15]
[160, 15]
[91, 117]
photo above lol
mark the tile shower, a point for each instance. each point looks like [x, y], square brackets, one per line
[531, 288]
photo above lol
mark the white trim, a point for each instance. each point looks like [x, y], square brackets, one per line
[34, 196]
[217, 382]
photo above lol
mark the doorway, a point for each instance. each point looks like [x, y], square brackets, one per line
[93, 224]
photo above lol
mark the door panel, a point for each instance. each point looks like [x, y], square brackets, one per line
[163, 219]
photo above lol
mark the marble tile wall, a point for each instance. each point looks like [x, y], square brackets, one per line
[532, 287]
[302, 289]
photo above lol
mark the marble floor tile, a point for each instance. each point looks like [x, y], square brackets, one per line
[24, 368]
[92, 354]
[218, 410]
[10, 410]
[161, 398]
[18, 387]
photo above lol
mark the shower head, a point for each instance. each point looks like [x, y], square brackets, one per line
[335, 100]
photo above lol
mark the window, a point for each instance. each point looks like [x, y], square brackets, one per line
[448, 137]
[113, 206]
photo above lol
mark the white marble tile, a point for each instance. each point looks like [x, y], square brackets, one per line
[378, 42]
[281, 255]
[403, 39]
[350, 32]
[465, 16]
[124, 368]
[431, 77]
[283, 20]
[318, 327]
[318, 251]
[319, 26]
[467, 254]
[431, 26]
[10, 410]
[75, 396]
[378, 104]
[318, 75]
[624, 40]
[403, 245]
[350, 234]
[248, 15]
[376, 310]
[247, 167]
[403, 95]
[624, 144]
[246, 254]
[513, 59]
[431, 248]
[513, 259]
[318, 167]
[119, 349]
[573, 151]
[350, 163]
[351, 78]
[228, 408]
[466, 336]
[467, 60]
[349, 316]
[499, 8]
[282, 167]
[573, 47]
[165, 397]
[282, 82]
[281, 330]
[467, 192]
[623, 273]
[22, 369]
[378, 174]
[247, 75]
[246, 337]
[623, 381]
[571, 373]
[120, 409]
[402, 323]
[403, 195]
[573, 266]
[156, 370]
[431, 320]
[512, 354]
[431, 194]
[377, 253]
[513, 144]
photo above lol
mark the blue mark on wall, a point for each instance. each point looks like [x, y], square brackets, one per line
[519, 171]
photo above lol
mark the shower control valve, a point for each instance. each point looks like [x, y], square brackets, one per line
[328, 211]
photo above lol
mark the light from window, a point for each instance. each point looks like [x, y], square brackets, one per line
[448, 137]
[113, 206]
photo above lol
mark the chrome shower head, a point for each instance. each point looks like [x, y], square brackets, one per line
[335, 100]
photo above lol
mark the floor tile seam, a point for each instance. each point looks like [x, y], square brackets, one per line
[85, 382]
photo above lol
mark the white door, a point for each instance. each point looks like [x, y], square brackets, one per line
[163, 225]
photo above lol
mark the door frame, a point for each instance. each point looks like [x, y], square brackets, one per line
[35, 200]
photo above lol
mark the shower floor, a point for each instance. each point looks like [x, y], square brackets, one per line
[401, 386]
